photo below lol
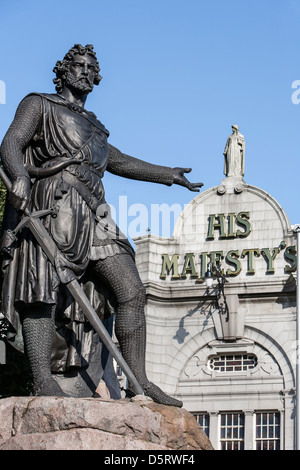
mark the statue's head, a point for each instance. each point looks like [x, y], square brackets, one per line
[61, 68]
[235, 128]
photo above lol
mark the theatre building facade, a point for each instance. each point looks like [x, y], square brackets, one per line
[227, 350]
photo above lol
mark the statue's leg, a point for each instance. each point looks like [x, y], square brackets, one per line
[38, 330]
[120, 274]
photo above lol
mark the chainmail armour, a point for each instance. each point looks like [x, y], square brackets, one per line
[38, 331]
[143, 172]
[117, 268]
[18, 135]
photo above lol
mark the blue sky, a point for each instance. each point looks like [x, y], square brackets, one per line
[176, 76]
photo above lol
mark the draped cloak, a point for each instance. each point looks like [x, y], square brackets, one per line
[67, 132]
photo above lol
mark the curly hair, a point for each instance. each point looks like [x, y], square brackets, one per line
[62, 66]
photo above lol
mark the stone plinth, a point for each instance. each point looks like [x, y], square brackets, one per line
[51, 423]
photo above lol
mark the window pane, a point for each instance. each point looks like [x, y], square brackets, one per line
[258, 418]
[271, 418]
[264, 418]
[264, 432]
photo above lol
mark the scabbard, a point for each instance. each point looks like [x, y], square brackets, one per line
[50, 249]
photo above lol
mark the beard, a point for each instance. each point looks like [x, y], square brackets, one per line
[82, 84]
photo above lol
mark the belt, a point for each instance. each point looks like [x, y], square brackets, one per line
[58, 166]
[82, 189]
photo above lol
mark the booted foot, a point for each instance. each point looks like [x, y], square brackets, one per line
[49, 388]
[157, 395]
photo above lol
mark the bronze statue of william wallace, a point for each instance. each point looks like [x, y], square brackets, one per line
[56, 152]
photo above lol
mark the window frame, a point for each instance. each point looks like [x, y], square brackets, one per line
[276, 438]
[240, 439]
[229, 358]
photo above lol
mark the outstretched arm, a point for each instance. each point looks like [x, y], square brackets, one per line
[19, 134]
[133, 168]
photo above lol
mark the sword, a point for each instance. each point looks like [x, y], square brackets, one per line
[32, 221]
